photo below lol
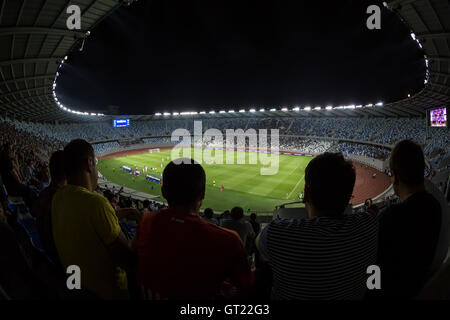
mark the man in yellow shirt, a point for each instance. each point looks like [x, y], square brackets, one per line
[85, 227]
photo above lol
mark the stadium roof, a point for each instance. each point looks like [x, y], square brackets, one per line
[34, 40]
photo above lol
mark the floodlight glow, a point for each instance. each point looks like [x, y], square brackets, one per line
[307, 108]
[175, 113]
[166, 113]
[212, 112]
[252, 110]
[231, 111]
[157, 114]
[329, 108]
[242, 110]
[379, 104]
[202, 112]
[317, 108]
[284, 109]
[296, 109]
[193, 113]
[413, 36]
[262, 110]
[359, 106]
[221, 111]
[65, 58]
[273, 110]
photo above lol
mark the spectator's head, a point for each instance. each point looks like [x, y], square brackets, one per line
[57, 172]
[183, 184]
[146, 204]
[128, 203]
[209, 213]
[80, 164]
[368, 203]
[329, 182]
[407, 165]
[237, 213]
[253, 217]
[109, 195]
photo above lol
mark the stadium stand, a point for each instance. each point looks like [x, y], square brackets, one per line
[34, 124]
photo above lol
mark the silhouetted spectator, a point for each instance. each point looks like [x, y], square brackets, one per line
[42, 207]
[256, 225]
[243, 228]
[209, 216]
[326, 255]
[409, 230]
[182, 256]
[146, 208]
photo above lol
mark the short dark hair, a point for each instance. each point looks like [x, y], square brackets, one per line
[75, 155]
[146, 203]
[183, 181]
[237, 213]
[56, 165]
[108, 195]
[408, 162]
[128, 203]
[209, 213]
[330, 180]
[253, 216]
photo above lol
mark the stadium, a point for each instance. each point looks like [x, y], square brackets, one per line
[133, 150]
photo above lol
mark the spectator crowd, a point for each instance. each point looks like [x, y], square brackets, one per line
[53, 215]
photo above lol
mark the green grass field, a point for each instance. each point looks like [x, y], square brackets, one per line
[243, 184]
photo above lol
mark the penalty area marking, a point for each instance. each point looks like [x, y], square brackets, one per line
[295, 187]
[303, 177]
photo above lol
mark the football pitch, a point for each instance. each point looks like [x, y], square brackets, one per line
[243, 184]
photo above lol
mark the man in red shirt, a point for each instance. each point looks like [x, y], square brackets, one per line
[181, 256]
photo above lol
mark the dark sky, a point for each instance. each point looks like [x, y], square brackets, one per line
[170, 55]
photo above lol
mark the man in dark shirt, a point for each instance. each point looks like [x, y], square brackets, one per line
[409, 230]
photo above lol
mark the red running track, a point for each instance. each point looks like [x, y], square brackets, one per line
[366, 186]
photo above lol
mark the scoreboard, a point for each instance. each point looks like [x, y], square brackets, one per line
[118, 123]
[437, 118]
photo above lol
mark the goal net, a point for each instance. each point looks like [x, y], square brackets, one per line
[153, 150]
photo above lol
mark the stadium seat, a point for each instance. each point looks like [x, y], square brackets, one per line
[290, 213]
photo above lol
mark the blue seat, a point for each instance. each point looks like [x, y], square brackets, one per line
[17, 206]
[127, 230]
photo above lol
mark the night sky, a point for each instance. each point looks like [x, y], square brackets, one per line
[170, 55]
